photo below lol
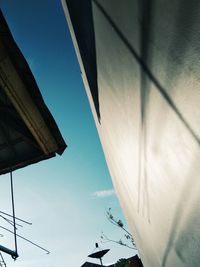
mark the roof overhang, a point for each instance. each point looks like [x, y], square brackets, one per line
[28, 131]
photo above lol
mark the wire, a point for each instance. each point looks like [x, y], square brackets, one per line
[15, 218]
[47, 251]
[13, 209]
[13, 223]
[9, 221]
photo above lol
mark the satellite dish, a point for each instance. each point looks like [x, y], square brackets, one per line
[99, 254]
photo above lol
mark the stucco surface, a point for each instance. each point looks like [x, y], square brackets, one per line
[148, 69]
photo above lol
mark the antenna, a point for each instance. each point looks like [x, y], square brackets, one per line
[99, 254]
[13, 253]
[2, 262]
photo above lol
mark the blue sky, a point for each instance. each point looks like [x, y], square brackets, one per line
[58, 195]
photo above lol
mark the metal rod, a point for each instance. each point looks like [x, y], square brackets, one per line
[15, 218]
[47, 251]
[2, 262]
[9, 221]
[12, 253]
[13, 209]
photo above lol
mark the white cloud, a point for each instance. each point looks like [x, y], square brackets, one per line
[104, 193]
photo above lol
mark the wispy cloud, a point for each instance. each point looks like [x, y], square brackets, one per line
[104, 193]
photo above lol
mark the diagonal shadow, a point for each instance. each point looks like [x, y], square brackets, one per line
[150, 75]
[145, 8]
[187, 192]
[184, 33]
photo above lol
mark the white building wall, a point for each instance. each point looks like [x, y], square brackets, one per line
[149, 94]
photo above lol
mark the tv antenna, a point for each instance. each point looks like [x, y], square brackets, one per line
[11, 219]
[2, 262]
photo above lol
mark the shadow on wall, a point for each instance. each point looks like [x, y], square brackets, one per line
[144, 60]
[145, 17]
[147, 71]
[179, 239]
[184, 237]
[185, 33]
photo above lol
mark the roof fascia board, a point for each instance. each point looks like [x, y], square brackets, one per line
[14, 88]
[83, 73]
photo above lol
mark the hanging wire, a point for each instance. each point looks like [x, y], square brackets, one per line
[13, 209]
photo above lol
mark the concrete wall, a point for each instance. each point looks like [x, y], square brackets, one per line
[148, 69]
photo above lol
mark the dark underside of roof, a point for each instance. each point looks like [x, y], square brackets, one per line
[83, 26]
[18, 145]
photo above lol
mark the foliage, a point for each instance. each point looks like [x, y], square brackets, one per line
[127, 235]
[122, 263]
